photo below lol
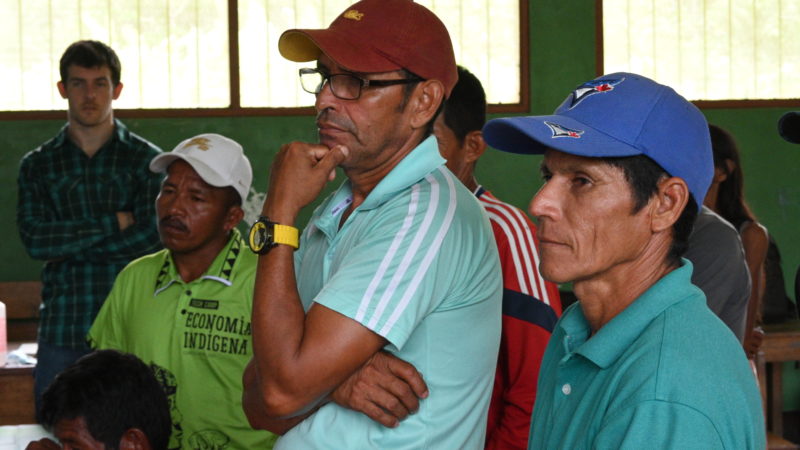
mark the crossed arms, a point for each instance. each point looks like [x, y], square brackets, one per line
[303, 360]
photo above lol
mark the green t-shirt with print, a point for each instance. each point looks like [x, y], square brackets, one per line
[197, 338]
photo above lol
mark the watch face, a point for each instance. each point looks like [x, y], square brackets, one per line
[259, 236]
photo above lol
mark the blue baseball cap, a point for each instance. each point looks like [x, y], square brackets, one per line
[620, 114]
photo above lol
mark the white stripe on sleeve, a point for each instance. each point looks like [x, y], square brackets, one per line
[429, 256]
[390, 254]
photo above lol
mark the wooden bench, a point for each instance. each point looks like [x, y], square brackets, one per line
[22, 300]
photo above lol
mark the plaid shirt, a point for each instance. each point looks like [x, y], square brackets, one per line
[66, 216]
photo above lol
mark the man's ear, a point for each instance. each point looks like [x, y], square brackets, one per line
[117, 91]
[672, 197]
[474, 146]
[134, 439]
[425, 101]
[235, 215]
[62, 89]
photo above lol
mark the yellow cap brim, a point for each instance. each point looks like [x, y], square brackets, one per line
[297, 46]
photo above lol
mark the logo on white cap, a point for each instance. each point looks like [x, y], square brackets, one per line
[201, 143]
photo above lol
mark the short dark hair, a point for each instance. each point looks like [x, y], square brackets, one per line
[234, 198]
[113, 392]
[90, 54]
[465, 109]
[643, 175]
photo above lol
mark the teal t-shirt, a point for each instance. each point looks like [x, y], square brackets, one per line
[417, 264]
[665, 373]
[197, 338]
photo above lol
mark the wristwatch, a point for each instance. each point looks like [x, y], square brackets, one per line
[265, 234]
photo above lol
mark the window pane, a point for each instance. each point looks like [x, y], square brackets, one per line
[707, 49]
[174, 53]
[485, 39]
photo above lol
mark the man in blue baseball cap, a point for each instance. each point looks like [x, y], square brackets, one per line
[639, 361]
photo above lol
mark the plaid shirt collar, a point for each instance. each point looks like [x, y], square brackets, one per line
[120, 134]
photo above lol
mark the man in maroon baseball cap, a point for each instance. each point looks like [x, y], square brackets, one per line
[396, 273]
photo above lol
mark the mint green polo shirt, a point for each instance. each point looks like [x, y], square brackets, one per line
[665, 373]
[197, 338]
[417, 264]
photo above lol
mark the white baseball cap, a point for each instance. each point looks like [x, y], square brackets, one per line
[218, 160]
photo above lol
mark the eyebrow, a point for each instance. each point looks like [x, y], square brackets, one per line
[543, 169]
[323, 68]
[199, 188]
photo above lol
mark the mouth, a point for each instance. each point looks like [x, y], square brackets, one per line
[331, 135]
[551, 244]
[328, 127]
[547, 240]
[171, 225]
[328, 121]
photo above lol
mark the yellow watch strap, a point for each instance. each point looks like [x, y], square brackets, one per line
[284, 234]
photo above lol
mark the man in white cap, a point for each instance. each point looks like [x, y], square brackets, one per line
[185, 310]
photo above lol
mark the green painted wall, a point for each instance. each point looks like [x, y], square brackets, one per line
[562, 54]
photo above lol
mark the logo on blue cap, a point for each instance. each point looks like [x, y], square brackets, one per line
[593, 87]
[562, 131]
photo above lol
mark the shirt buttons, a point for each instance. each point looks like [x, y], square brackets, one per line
[566, 389]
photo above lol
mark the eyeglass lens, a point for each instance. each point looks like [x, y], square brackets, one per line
[343, 86]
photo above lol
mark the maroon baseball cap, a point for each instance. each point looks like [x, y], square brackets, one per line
[375, 36]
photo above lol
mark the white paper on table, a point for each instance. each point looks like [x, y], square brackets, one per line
[29, 348]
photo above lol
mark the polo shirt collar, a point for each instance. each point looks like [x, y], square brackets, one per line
[221, 270]
[615, 337]
[421, 161]
[424, 159]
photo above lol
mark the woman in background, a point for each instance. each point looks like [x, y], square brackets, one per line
[726, 198]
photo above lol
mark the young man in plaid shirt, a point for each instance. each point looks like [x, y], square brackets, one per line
[85, 207]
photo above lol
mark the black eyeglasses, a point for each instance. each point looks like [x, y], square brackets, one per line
[343, 85]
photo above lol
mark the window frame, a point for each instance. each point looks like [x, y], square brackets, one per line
[236, 110]
[702, 104]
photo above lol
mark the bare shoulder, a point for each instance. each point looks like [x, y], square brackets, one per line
[755, 241]
[754, 233]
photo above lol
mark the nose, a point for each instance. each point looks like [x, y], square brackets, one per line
[545, 203]
[170, 204]
[325, 98]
